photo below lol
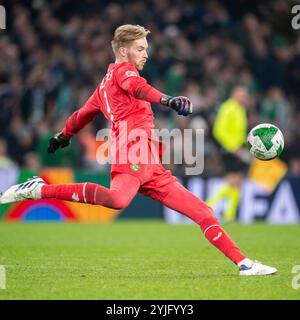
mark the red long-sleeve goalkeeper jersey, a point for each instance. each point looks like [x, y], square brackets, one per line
[123, 95]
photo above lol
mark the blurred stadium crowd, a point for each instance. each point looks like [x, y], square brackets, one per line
[54, 53]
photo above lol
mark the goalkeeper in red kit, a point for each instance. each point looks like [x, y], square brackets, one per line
[124, 96]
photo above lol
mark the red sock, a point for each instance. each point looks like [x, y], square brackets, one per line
[69, 192]
[123, 188]
[84, 192]
[221, 240]
[204, 216]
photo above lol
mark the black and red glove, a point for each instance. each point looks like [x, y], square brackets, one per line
[182, 105]
[58, 141]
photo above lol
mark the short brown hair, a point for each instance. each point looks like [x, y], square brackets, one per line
[126, 34]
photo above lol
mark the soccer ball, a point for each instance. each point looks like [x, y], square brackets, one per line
[265, 141]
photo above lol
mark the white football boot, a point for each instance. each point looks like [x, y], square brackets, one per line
[29, 190]
[248, 267]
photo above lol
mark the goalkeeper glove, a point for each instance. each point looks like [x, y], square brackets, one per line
[182, 105]
[58, 141]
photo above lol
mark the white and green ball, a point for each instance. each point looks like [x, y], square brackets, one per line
[265, 141]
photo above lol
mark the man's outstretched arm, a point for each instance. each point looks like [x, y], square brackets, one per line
[76, 122]
[130, 81]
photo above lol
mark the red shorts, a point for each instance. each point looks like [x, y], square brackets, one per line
[155, 180]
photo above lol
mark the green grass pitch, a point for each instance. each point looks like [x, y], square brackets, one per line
[142, 260]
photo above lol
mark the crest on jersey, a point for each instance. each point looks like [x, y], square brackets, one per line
[130, 74]
[135, 167]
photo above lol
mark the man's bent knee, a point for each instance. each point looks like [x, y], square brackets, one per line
[121, 203]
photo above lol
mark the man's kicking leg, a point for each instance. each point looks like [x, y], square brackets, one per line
[122, 190]
[183, 201]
